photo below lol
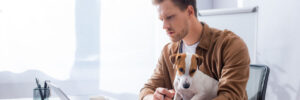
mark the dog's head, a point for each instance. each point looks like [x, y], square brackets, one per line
[186, 65]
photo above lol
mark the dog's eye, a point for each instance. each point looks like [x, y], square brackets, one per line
[181, 69]
[192, 71]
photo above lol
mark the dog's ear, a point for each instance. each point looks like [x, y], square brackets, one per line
[199, 59]
[174, 57]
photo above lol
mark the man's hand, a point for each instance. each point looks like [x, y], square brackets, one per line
[163, 94]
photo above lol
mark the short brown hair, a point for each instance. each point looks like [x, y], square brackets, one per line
[182, 4]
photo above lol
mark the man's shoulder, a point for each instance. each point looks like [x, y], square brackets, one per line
[224, 36]
[227, 41]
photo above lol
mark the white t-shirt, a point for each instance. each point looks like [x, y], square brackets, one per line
[189, 49]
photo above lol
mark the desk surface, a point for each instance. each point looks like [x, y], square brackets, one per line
[56, 98]
[53, 98]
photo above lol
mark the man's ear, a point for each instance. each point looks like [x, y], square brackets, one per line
[199, 59]
[190, 10]
[174, 57]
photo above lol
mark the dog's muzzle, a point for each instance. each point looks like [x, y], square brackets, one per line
[186, 85]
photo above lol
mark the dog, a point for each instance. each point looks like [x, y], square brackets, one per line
[190, 83]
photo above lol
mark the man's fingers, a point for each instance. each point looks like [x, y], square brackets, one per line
[167, 98]
[158, 96]
[166, 92]
[172, 91]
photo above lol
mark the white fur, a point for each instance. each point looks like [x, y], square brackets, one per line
[202, 86]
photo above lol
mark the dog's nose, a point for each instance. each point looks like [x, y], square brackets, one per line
[186, 85]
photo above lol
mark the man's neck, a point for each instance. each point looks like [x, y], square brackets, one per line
[194, 34]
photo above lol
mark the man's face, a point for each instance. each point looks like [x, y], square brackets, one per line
[175, 21]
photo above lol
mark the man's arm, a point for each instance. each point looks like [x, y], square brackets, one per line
[157, 79]
[160, 94]
[235, 72]
[148, 97]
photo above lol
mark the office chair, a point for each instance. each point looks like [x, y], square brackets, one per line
[257, 83]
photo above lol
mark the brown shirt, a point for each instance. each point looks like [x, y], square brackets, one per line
[226, 59]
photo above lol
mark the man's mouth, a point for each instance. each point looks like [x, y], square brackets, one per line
[170, 33]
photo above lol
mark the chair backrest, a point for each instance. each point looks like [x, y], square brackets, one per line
[257, 83]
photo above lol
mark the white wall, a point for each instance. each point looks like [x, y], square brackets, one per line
[217, 4]
[248, 3]
[225, 4]
[204, 4]
[278, 47]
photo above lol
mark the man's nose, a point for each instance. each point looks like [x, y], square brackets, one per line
[186, 85]
[166, 25]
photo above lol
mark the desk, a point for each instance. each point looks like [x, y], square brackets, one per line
[56, 98]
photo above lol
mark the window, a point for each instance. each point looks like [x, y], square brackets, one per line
[55, 40]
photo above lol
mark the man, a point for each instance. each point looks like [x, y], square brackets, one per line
[226, 57]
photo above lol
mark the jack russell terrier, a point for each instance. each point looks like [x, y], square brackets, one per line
[190, 83]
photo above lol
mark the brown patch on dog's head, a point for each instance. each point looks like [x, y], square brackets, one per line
[199, 59]
[196, 61]
[178, 61]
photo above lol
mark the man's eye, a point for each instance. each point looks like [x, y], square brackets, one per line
[169, 17]
[181, 69]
